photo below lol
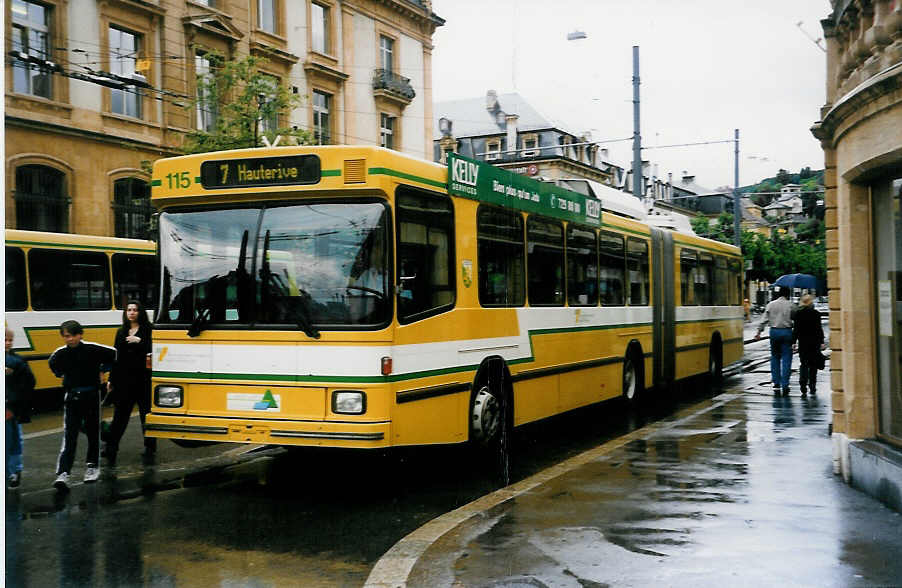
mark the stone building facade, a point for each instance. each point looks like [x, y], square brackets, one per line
[93, 89]
[860, 129]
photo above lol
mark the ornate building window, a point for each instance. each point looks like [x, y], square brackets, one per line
[387, 131]
[131, 208]
[207, 106]
[31, 36]
[322, 118]
[41, 200]
[125, 48]
[321, 26]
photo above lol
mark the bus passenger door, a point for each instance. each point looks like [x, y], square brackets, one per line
[663, 312]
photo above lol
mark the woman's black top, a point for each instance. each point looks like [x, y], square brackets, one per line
[131, 358]
[807, 330]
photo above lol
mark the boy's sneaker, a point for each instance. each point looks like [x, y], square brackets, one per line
[14, 480]
[62, 481]
[92, 473]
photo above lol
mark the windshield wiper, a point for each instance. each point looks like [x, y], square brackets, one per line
[272, 283]
[199, 323]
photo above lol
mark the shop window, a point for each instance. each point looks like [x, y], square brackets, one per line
[41, 200]
[131, 208]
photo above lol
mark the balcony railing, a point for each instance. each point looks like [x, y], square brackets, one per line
[393, 83]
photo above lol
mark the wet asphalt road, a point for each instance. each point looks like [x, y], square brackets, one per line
[267, 517]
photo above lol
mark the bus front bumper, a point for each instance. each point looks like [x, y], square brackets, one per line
[302, 433]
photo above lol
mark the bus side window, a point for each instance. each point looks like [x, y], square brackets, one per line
[611, 275]
[637, 264]
[545, 262]
[16, 298]
[704, 278]
[721, 281]
[736, 281]
[688, 263]
[582, 261]
[501, 269]
[134, 278]
[69, 280]
[425, 253]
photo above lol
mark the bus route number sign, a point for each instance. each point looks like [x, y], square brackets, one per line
[285, 170]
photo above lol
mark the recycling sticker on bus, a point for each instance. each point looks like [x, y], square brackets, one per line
[473, 179]
[266, 402]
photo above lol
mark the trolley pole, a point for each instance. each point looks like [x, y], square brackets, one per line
[737, 204]
[637, 138]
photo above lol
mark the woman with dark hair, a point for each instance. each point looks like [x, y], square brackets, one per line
[130, 378]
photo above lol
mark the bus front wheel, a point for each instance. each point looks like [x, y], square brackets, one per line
[490, 423]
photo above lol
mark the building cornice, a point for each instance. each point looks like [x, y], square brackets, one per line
[853, 103]
[70, 131]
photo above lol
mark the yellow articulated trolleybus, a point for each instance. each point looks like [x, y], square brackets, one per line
[357, 297]
[53, 277]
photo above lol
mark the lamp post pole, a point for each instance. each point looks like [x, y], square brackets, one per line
[637, 137]
[737, 204]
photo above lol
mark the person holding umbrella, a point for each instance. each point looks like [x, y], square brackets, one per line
[778, 314]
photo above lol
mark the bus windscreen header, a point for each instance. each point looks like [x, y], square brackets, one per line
[285, 170]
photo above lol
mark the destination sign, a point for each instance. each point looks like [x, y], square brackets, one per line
[481, 181]
[260, 171]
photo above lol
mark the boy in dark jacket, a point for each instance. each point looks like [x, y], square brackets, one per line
[19, 386]
[809, 334]
[79, 364]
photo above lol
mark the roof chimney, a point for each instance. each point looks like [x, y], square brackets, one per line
[511, 120]
[491, 101]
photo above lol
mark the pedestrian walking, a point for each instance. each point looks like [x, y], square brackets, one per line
[79, 364]
[19, 386]
[130, 378]
[778, 314]
[809, 334]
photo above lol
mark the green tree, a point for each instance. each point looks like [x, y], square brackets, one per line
[783, 177]
[701, 225]
[240, 97]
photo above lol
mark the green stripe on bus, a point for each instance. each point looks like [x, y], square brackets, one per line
[330, 173]
[112, 249]
[156, 182]
[198, 180]
[390, 172]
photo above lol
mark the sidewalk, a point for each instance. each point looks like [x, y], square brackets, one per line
[737, 491]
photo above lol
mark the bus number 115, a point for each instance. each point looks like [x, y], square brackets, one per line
[179, 180]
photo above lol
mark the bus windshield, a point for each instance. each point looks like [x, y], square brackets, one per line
[276, 266]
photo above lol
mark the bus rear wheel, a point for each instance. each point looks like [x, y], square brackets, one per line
[632, 382]
[715, 366]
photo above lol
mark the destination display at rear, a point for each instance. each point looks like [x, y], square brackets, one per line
[260, 171]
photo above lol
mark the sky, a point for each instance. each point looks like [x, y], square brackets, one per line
[707, 67]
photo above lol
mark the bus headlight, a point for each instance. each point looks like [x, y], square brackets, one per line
[348, 402]
[168, 396]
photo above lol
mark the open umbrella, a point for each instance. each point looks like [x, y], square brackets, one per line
[797, 281]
